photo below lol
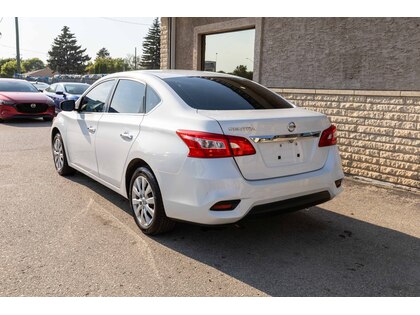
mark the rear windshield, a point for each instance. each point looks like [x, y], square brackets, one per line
[76, 88]
[17, 86]
[225, 93]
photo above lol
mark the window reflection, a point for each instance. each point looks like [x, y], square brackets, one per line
[231, 52]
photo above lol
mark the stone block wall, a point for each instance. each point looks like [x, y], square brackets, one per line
[378, 131]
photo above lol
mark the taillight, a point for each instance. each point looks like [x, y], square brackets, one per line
[328, 137]
[213, 145]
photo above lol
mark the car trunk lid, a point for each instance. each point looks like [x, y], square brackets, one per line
[285, 140]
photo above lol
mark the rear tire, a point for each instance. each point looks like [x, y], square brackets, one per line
[146, 203]
[60, 158]
[47, 118]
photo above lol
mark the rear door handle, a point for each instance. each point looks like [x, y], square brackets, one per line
[91, 129]
[126, 136]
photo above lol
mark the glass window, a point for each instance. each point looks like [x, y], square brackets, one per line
[95, 100]
[51, 88]
[76, 88]
[225, 93]
[152, 99]
[231, 52]
[128, 97]
[59, 88]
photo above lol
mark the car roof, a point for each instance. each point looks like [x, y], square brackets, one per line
[164, 74]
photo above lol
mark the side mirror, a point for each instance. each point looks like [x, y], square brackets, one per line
[68, 105]
[59, 93]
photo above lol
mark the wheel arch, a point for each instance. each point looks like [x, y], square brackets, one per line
[131, 168]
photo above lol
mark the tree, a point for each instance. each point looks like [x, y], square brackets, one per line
[130, 61]
[66, 56]
[107, 65]
[103, 53]
[4, 60]
[32, 64]
[150, 58]
[8, 69]
[242, 71]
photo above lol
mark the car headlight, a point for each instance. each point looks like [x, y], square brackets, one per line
[2, 102]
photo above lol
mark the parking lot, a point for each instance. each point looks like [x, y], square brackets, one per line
[73, 237]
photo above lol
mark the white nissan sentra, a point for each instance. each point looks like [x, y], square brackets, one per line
[195, 146]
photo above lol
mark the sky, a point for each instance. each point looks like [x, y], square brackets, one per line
[119, 35]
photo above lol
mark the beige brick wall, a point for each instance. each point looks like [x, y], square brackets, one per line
[378, 131]
[164, 43]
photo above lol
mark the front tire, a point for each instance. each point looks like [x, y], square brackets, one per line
[60, 158]
[146, 203]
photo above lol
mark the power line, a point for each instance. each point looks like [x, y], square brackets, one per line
[121, 21]
[30, 50]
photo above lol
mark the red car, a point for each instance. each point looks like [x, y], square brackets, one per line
[20, 99]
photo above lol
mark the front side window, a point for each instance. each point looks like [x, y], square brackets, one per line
[225, 93]
[95, 100]
[128, 97]
[152, 99]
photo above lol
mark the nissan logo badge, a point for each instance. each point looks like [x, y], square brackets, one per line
[291, 127]
[33, 105]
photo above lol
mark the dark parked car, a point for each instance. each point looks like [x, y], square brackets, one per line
[59, 92]
[20, 99]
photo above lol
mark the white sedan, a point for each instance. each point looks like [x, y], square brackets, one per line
[195, 146]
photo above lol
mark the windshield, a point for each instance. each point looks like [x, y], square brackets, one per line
[16, 86]
[76, 88]
[225, 93]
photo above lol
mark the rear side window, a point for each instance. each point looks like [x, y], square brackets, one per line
[225, 93]
[152, 99]
[128, 97]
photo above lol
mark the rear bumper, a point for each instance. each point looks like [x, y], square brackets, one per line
[190, 194]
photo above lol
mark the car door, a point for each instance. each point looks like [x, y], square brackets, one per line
[118, 128]
[83, 125]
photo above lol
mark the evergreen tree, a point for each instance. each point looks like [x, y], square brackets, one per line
[103, 53]
[66, 56]
[150, 58]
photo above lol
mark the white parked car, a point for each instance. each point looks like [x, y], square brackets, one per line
[195, 146]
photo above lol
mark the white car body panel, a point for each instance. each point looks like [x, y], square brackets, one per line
[190, 186]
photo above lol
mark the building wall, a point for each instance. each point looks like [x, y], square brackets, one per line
[341, 53]
[378, 131]
[364, 73]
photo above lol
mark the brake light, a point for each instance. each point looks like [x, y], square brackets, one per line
[213, 145]
[328, 137]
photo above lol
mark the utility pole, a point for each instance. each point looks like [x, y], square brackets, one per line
[135, 58]
[17, 46]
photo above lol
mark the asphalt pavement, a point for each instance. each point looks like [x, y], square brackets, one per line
[74, 237]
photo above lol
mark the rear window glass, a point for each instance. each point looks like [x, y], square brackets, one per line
[225, 93]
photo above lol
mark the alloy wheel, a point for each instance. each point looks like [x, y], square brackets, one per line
[58, 153]
[143, 201]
